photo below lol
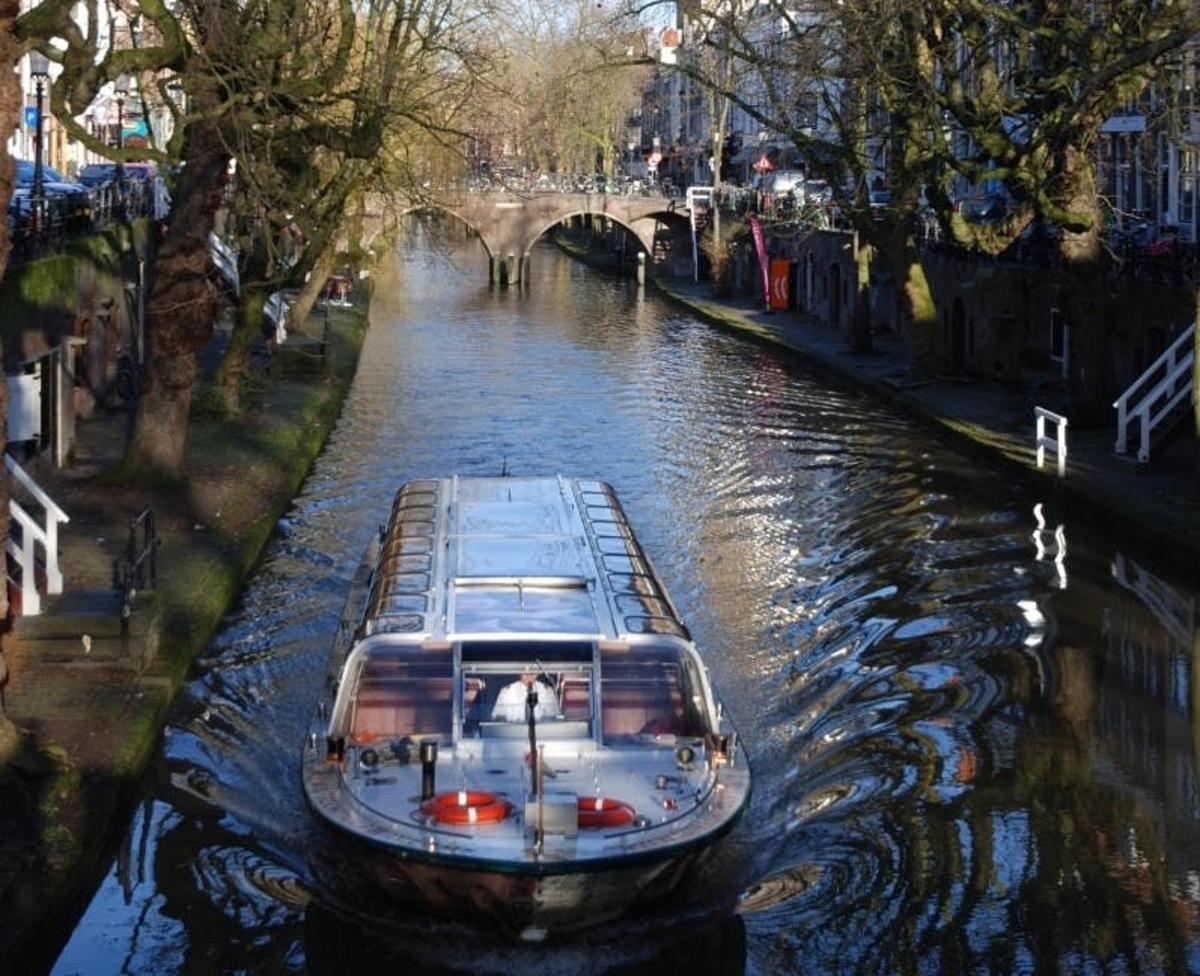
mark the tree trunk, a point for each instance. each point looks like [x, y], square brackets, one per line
[10, 107]
[235, 364]
[352, 227]
[1082, 298]
[182, 304]
[860, 333]
[917, 307]
[1196, 393]
[311, 291]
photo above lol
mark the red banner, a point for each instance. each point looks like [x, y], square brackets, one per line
[781, 269]
[760, 245]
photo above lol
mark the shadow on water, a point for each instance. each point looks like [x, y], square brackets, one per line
[699, 945]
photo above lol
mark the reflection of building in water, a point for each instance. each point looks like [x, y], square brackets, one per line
[1147, 685]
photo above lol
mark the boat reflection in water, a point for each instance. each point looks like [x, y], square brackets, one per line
[517, 725]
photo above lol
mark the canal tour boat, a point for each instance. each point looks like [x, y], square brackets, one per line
[516, 724]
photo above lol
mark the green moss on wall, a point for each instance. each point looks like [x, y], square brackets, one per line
[41, 299]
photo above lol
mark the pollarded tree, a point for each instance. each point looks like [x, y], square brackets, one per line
[1031, 82]
[858, 65]
[302, 92]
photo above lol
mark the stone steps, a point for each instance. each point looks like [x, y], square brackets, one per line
[76, 652]
[96, 613]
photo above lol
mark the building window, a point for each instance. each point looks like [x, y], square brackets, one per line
[1187, 186]
[1059, 333]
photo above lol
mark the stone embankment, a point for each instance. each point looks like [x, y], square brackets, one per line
[85, 701]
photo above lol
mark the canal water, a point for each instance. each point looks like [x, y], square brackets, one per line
[971, 713]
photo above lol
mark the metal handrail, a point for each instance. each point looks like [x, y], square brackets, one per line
[1056, 443]
[1176, 363]
[137, 568]
[33, 533]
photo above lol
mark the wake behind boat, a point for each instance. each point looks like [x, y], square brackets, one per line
[516, 724]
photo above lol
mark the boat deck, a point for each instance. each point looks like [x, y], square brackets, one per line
[673, 805]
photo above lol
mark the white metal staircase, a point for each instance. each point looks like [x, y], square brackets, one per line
[1157, 397]
[26, 535]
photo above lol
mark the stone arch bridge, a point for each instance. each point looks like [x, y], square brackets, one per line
[509, 224]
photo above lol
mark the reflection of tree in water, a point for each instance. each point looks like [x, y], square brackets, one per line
[237, 908]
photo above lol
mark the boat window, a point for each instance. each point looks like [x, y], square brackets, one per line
[401, 694]
[618, 545]
[493, 697]
[648, 691]
[544, 652]
[654, 625]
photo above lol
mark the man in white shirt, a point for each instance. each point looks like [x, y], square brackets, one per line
[510, 703]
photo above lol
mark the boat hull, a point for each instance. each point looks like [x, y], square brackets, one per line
[520, 904]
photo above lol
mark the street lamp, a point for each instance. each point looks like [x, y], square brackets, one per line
[39, 71]
[120, 91]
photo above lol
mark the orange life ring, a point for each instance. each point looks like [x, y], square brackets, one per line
[466, 807]
[599, 811]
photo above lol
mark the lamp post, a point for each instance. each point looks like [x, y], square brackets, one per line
[120, 91]
[39, 71]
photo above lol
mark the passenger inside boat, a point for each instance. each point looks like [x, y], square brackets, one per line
[510, 704]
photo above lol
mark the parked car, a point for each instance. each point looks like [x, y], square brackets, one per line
[98, 174]
[982, 208]
[20, 209]
[66, 201]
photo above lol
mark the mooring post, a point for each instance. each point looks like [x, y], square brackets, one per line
[641, 269]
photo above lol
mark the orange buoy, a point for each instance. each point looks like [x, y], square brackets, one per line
[467, 807]
[600, 811]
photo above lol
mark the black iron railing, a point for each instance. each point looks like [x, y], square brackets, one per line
[137, 568]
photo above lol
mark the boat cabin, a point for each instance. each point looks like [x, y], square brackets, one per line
[603, 691]
[488, 589]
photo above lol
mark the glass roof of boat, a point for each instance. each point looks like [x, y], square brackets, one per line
[524, 609]
[511, 555]
[518, 556]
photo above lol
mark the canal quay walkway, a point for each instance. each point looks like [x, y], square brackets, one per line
[1154, 508]
[84, 707]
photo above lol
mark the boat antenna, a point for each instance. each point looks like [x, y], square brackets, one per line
[531, 702]
[550, 681]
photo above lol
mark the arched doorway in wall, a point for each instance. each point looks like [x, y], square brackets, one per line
[958, 337]
[835, 295]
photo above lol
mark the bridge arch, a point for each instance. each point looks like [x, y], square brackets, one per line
[508, 224]
[437, 207]
[644, 233]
